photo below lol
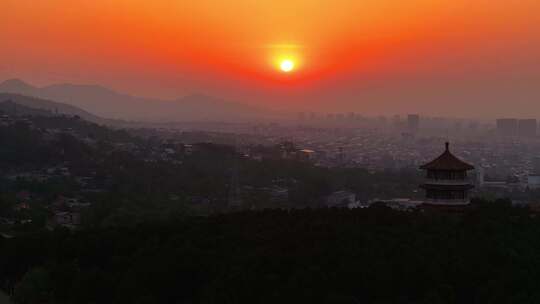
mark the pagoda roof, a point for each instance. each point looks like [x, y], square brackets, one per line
[447, 162]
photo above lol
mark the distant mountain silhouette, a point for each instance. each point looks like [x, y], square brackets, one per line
[15, 85]
[108, 103]
[15, 104]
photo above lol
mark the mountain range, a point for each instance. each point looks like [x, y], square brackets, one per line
[107, 103]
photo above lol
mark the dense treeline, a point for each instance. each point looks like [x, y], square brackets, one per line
[29, 146]
[21, 146]
[489, 254]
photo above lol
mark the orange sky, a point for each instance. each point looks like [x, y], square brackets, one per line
[344, 48]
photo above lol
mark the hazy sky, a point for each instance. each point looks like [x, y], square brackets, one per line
[443, 57]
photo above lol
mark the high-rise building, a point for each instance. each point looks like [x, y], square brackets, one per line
[507, 126]
[480, 176]
[533, 180]
[527, 127]
[413, 122]
[341, 155]
[536, 165]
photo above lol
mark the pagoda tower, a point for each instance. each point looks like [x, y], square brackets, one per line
[446, 182]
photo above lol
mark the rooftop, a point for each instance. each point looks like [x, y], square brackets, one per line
[447, 161]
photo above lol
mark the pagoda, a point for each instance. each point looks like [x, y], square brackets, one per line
[446, 182]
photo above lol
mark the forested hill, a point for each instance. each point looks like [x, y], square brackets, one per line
[47, 106]
[14, 109]
[375, 255]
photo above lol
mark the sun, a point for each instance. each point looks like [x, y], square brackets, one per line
[286, 65]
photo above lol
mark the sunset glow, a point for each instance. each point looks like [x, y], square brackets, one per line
[243, 49]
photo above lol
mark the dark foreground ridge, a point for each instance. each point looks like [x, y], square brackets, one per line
[488, 254]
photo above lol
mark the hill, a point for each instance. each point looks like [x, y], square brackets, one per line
[13, 109]
[42, 107]
[111, 104]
